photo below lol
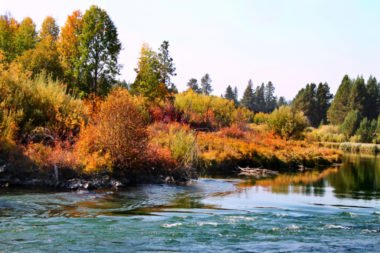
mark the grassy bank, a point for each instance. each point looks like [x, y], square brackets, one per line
[352, 147]
[252, 145]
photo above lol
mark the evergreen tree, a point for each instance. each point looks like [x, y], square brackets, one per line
[306, 101]
[358, 96]
[366, 130]
[323, 102]
[230, 94]
[340, 105]
[193, 84]
[247, 99]
[259, 99]
[206, 84]
[281, 101]
[373, 98]
[270, 98]
[166, 67]
[351, 123]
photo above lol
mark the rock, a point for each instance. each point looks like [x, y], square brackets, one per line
[116, 184]
[3, 168]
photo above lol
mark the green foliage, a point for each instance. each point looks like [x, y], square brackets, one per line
[231, 95]
[287, 122]
[262, 99]
[206, 84]
[166, 67]
[351, 123]
[154, 72]
[8, 26]
[326, 133]
[314, 101]
[340, 106]
[26, 36]
[26, 104]
[247, 99]
[99, 48]
[373, 98]
[260, 118]
[182, 145]
[204, 111]
[366, 130]
[193, 84]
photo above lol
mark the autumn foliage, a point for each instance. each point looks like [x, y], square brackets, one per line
[117, 135]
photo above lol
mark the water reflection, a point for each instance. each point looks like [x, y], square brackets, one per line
[358, 178]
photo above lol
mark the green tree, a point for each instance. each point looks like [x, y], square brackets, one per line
[323, 102]
[270, 98]
[258, 103]
[193, 84]
[281, 101]
[373, 98]
[306, 102]
[25, 36]
[340, 105]
[147, 82]
[99, 49]
[206, 84]
[8, 27]
[358, 96]
[230, 94]
[366, 130]
[44, 57]
[247, 99]
[166, 67]
[68, 48]
[351, 123]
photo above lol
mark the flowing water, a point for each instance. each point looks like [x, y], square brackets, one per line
[334, 210]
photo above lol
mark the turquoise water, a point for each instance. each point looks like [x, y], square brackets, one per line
[335, 210]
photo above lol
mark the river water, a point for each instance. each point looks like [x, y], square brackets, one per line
[334, 210]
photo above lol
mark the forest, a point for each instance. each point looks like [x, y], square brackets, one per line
[62, 107]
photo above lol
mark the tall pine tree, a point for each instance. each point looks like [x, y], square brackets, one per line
[340, 105]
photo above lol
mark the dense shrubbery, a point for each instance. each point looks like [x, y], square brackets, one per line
[256, 146]
[118, 132]
[286, 122]
[26, 104]
[325, 133]
[209, 111]
[178, 139]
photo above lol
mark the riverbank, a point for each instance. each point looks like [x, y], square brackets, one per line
[353, 147]
[223, 151]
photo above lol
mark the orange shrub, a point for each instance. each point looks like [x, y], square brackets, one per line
[117, 136]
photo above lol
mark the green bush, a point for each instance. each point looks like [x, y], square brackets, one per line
[182, 145]
[287, 123]
[350, 123]
[40, 102]
[326, 133]
[205, 111]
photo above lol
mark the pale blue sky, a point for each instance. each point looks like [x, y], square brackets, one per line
[290, 42]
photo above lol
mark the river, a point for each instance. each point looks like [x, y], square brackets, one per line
[331, 210]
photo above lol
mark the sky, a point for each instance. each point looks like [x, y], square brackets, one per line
[290, 43]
